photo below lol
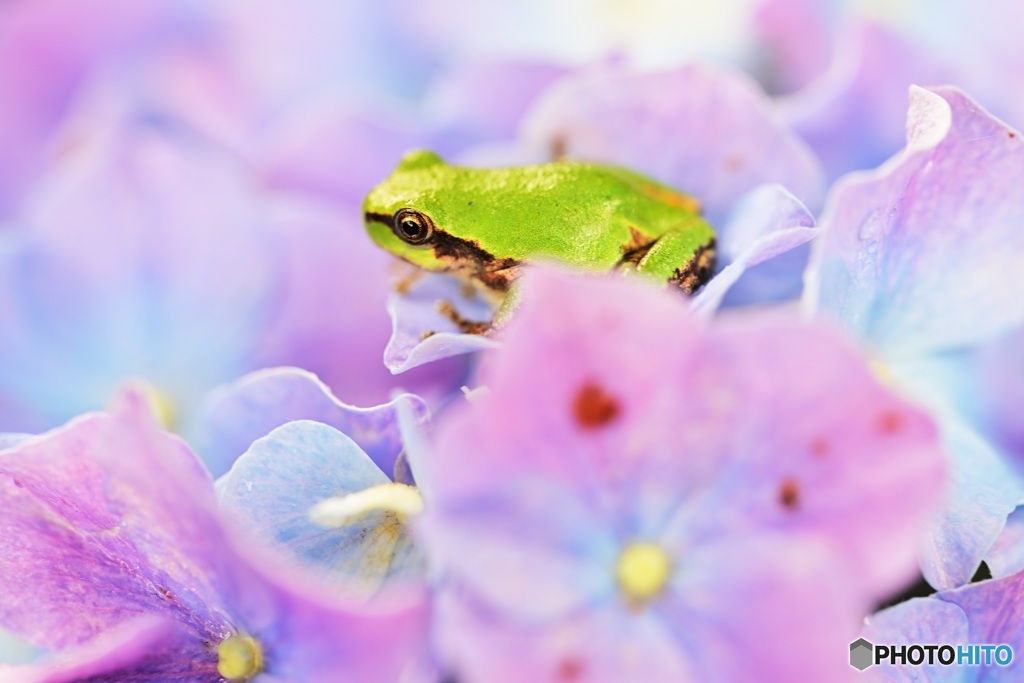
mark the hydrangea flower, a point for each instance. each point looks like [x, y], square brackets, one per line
[922, 261]
[311, 490]
[639, 497]
[985, 613]
[115, 555]
[706, 131]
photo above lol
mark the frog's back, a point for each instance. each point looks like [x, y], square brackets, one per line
[585, 214]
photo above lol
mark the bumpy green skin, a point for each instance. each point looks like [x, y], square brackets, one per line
[487, 222]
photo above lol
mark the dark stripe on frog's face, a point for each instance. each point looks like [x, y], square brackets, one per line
[462, 255]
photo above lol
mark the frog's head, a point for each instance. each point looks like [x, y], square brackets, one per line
[409, 213]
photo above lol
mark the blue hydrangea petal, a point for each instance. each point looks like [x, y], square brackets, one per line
[234, 416]
[272, 487]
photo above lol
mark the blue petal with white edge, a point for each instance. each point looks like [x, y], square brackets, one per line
[273, 487]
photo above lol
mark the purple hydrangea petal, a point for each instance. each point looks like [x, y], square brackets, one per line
[987, 612]
[118, 272]
[1000, 373]
[486, 101]
[234, 416]
[851, 115]
[48, 52]
[421, 334]
[317, 324]
[766, 224]
[134, 547]
[1006, 556]
[993, 609]
[312, 148]
[706, 131]
[798, 38]
[123, 523]
[272, 488]
[919, 621]
[950, 203]
[983, 492]
[143, 649]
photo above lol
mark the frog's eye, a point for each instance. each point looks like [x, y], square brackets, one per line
[413, 226]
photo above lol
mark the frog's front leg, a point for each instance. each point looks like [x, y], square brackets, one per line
[680, 258]
[502, 314]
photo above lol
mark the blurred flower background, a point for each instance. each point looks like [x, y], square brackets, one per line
[181, 185]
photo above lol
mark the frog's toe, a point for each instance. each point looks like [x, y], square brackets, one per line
[465, 325]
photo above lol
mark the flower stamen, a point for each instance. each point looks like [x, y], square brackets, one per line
[239, 658]
[402, 500]
[642, 571]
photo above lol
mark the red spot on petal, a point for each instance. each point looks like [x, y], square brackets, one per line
[733, 162]
[820, 447]
[570, 669]
[890, 422]
[789, 493]
[1011, 134]
[594, 407]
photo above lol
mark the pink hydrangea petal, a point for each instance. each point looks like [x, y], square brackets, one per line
[741, 466]
[755, 595]
[528, 541]
[708, 132]
[606, 645]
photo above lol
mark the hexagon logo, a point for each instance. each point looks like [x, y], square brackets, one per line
[861, 654]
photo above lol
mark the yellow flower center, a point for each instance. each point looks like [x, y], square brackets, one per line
[239, 658]
[642, 571]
